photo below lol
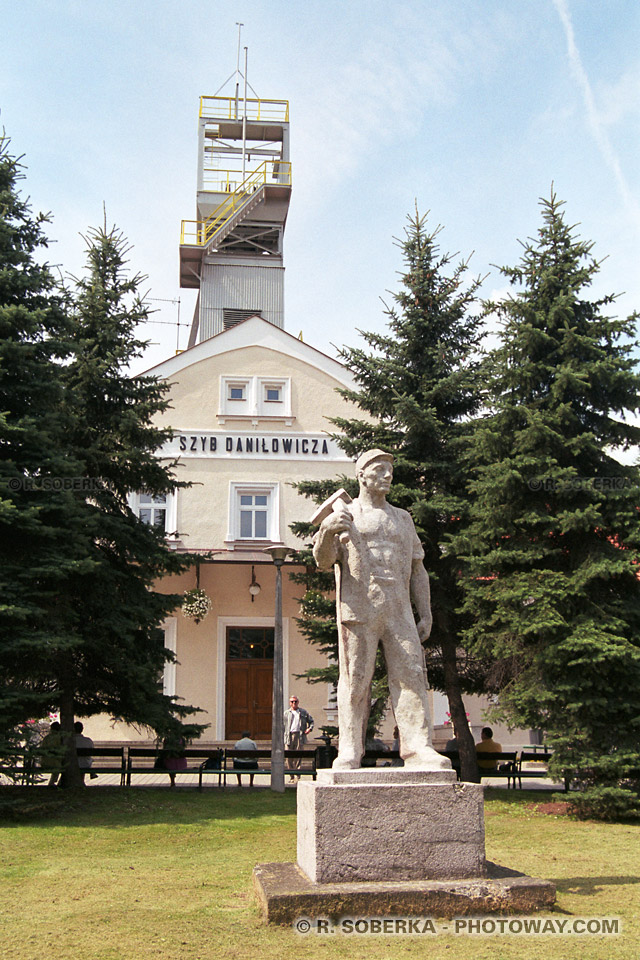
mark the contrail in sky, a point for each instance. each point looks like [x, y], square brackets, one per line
[593, 117]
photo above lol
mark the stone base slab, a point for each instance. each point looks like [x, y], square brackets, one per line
[286, 894]
[381, 830]
[378, 775]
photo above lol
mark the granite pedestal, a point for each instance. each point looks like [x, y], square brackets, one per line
[392, 841]
[390, 823]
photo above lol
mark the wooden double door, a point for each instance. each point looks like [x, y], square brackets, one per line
[249, 682]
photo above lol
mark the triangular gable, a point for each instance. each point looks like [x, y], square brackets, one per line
[254, 331]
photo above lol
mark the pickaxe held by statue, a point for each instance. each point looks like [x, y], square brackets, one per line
[329, 507]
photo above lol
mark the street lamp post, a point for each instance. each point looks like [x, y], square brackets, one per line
[278, 555]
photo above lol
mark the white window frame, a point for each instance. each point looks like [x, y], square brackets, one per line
[272, 491]
[255, 406]
[170, 514]
[277, 408]
[231, 408]
[170, 627]
[272, 388]
[243, 386]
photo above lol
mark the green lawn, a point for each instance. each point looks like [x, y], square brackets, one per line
[130, 874]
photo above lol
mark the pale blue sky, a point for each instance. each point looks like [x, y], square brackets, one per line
[469, 107]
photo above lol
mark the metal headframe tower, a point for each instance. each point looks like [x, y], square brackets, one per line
[232, 252]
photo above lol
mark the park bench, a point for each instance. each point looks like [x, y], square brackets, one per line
[24, 767]
[200, 762]
[505, 764]
[307, 760]
[20, 768]
[382, 758]
[532, 756]
[105, 760]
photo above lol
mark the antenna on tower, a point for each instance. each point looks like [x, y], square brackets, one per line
[238, 74]
[239, 26]
[244, 117]
[170, 323]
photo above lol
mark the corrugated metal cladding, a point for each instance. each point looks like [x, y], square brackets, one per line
[241, 288]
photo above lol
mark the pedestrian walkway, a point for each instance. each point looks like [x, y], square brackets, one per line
[162, 780]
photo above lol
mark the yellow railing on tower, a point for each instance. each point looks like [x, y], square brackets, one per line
[230, 108]
[221, 181]
[200, 232]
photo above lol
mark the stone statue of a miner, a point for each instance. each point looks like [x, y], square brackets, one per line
[379, 572]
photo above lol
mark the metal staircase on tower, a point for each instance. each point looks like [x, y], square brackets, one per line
[240, 212]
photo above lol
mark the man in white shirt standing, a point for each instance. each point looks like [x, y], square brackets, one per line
[297, 724]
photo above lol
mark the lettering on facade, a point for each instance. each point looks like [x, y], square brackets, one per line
[199, 444]
[246, 446]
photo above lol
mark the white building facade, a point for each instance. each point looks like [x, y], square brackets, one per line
[251, 410]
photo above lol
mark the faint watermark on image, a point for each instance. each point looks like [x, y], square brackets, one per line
[460, 926]
[56, 484]
[552, 485]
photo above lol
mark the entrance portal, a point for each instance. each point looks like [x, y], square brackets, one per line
[249, 686]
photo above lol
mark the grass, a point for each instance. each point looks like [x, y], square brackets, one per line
[131, 874]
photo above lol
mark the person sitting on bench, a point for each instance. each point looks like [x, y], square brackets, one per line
[86, 743]
[487, 745]
[245, 743]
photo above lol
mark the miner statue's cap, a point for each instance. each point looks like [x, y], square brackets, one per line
[369, 456]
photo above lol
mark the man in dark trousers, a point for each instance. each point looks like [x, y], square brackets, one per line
[297, 724]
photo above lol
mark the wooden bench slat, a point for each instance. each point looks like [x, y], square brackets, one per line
[260, 754]
[200, 756]
[533, 756]
[104, 753]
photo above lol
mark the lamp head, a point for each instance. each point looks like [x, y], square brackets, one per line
[278, 554]
[254, 586]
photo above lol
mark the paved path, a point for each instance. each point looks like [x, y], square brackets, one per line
[211, 782]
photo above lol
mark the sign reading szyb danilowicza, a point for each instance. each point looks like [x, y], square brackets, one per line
[268, 446]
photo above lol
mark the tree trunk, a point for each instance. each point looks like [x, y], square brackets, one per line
[466, 747]
[71, 773]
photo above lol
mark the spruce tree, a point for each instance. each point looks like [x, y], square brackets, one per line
[419, 387]
[79, 611]
[113, 656]
[34, 510]
[552, 548]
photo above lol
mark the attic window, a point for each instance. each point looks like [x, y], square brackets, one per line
[230, 318]
[273, 393]
[254, 397]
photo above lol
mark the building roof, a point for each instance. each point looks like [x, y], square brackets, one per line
[252, 332]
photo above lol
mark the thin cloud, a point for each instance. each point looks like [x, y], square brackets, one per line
[593, 116]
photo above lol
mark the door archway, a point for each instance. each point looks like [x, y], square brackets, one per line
[249, 681]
